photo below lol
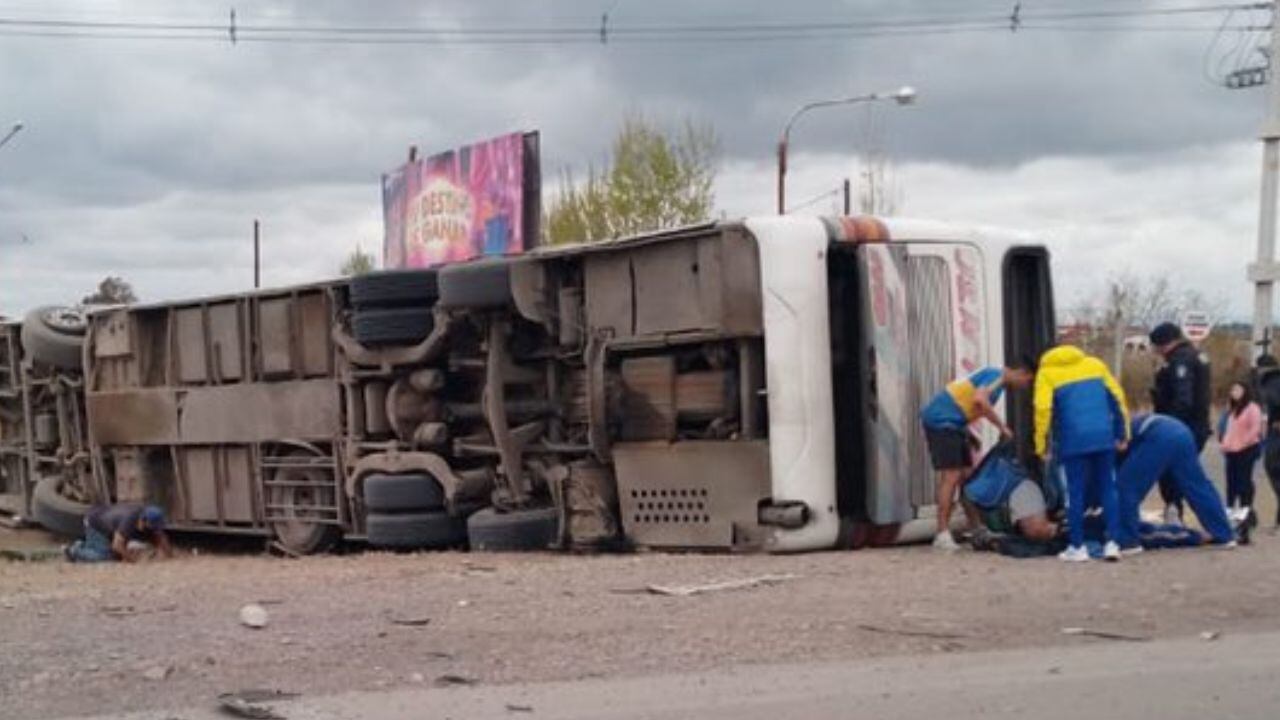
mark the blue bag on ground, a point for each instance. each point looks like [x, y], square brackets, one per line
[995, 477]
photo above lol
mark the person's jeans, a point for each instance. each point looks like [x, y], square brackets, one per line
[95, 547]
[1240, 467]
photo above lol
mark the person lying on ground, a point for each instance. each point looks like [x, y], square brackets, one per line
[1004, 495]
[1160, 445]
[111, 533]
[947, 419]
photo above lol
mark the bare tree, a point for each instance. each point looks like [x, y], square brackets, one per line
[878, 190]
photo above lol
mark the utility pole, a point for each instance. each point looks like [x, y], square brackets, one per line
[257, 258]
[847, 187]
[1264, 273]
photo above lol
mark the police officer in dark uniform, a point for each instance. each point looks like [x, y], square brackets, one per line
[1181, 391]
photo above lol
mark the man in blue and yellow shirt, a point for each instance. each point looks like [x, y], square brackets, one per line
[1082, 420]
[946, 420]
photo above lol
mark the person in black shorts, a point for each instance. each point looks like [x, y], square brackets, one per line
[110, 529]
[947, 419]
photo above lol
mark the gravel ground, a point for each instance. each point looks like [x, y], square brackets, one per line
[94, 639]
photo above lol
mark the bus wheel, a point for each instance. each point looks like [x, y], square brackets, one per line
[514, 531]
[54, 336]
[302, 507]
[57, 513]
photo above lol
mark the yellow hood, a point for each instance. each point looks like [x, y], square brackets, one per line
[1062, 356]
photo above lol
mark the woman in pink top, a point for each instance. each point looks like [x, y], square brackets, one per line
[1241, 445]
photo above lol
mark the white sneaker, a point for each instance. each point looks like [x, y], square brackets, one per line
[944, 542]
[1229, 545]
[1132, 550]
[1111, 551]
[1074, 554]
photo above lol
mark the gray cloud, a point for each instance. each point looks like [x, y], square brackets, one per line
[149, 159]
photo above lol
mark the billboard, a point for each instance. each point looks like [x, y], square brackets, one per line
[481, 199]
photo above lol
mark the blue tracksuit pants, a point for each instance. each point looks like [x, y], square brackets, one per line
[1169, 448]
[1091, 475]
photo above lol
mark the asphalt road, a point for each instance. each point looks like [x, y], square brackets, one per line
[1232, 676]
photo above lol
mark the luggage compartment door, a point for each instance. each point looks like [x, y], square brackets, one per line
[886, 351]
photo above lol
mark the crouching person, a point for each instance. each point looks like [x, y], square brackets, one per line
[111, 533]
[947, 419]
[1161, 445]
[1003, 494]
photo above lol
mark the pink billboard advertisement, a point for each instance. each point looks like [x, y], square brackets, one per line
[481, 199]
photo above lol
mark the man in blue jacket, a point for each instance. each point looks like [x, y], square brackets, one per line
[1080, 409]
[1162, 446]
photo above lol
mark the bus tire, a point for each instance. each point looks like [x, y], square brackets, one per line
[394, 288]
[478, 284]
[57, 514]
[397, 493]
[514, 531]
[392, 326]
[415, 531]
[54, 336]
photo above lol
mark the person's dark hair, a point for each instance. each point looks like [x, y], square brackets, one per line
[1238, 406]
[1025, 362]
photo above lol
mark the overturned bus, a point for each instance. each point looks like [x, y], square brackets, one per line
[745, 385]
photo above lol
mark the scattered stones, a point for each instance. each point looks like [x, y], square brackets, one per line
[254, 616]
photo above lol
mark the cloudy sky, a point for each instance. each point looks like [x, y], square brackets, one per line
[150, 158]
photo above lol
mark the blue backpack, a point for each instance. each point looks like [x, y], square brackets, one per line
[995, 477]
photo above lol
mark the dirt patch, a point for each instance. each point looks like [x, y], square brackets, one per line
[82, 639]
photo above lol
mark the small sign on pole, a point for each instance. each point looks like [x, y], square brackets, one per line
[1196, 325]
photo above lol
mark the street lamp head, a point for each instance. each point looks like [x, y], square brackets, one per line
[18, 126]
[905, 95]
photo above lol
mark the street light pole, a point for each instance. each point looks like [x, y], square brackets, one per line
[903, 96]
[17, 127]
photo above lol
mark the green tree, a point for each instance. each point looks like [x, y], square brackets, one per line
[111, 291]
[654, 179]
[358, 262]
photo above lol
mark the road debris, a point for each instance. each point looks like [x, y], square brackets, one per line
[254, 616]
[251, 703]
[727, 585]
[157, 673]
[1210, 635]
[1104, 634]
[908, 632]
[519, 708]
[450, 680]
[410, 621]
[130, 610]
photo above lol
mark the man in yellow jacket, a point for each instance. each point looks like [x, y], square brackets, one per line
[1082, 421]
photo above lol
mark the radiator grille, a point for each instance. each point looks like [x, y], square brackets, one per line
[929, 308]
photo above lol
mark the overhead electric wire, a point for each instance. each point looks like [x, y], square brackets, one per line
[606, 33]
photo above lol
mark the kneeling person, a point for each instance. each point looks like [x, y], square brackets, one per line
[1163, 445]
[110, 529]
